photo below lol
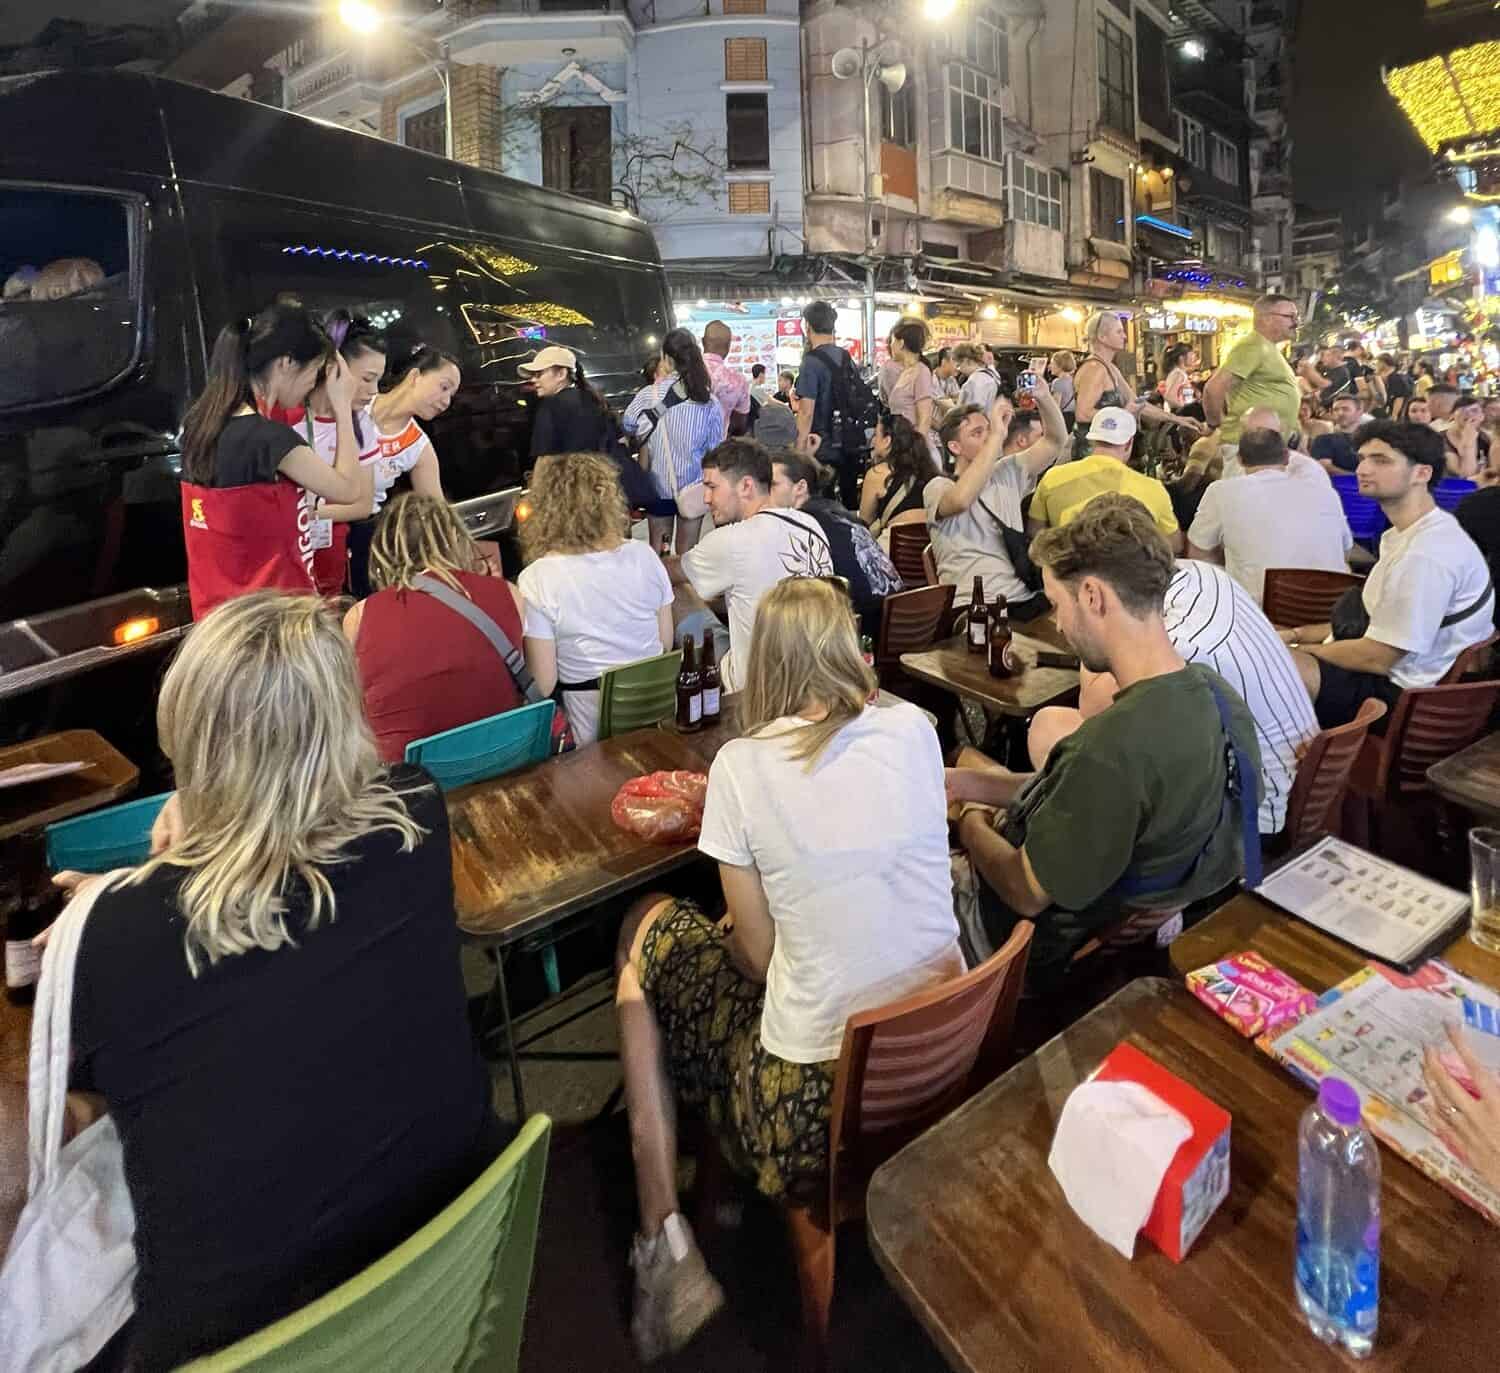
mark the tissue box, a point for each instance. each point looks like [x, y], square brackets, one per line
[1250, 993]
[1197, 1179]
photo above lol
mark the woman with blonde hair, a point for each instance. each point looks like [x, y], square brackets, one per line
[827, 821]
[1099, 382]
[272, 1006]
[595, 598]
[425, 664]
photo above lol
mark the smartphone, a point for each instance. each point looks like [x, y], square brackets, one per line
[1026, 381]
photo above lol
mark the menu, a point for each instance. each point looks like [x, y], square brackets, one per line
[1380, 907]
[1370, 1030]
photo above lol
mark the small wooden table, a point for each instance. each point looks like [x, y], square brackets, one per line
[951, 666]
[33, 805]
[1471, 778]
[973, 1231]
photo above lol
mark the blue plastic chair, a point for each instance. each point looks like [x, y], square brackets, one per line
[487, 748]
[1366, 519]
[1451, 490]
[116, 837]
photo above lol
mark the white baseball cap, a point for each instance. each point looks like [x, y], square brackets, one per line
[550, 356]
[1112, 425]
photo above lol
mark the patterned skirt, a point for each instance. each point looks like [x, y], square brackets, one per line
[769, 1116]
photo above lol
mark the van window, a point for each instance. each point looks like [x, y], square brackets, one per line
[70, 313]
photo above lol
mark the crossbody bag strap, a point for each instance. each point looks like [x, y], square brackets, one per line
[882, 519]
[1471, 608]
[485, 624]
[797, 524]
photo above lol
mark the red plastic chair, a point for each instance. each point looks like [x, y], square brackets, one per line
[1302, 595]
[907, 542]
[1476, 661]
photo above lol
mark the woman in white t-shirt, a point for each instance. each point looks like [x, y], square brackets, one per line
[595, 598]
[828, 824]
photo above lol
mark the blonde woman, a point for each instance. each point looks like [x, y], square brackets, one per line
[827, 822]
[595, 598]
[424, 666]
[1099, 382]
[272, 1006]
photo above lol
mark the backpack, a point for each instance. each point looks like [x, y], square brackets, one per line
[853, 407]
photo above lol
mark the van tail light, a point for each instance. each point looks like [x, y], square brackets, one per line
[132, 631]
[523, 511]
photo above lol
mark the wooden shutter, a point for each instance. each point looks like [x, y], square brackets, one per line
[744, 6]
[749, 197]
[744, 59]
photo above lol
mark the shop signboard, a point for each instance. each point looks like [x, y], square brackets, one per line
[1169, 322]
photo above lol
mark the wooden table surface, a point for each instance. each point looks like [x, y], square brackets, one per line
[108, 776]
[1471, 778]
[973, 1231]
[951, 666]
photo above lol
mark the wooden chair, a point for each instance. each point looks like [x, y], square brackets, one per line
[907, 543]
[1303, 596]
[902, 1067]
[909, 622]
[638, 694]
[1312, 810]
[1476, 661]
[929, 565]
[487, 748]
[117, 837]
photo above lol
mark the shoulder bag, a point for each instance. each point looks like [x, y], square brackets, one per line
[66, 1287]
[510, 655]
[892, 504]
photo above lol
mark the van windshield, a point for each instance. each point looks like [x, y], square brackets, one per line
[68, 313]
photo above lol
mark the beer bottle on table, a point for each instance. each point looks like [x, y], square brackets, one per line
[689, 691]
[710, 679]
[28, 915]
[979, 619]
[1002, 651]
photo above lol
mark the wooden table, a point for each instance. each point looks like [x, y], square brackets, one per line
[973, 1231]
[951, 666]
[108, 776]
[1471, 778]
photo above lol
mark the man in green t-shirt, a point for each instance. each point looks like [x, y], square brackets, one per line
[1255, 373]
[1136, 809]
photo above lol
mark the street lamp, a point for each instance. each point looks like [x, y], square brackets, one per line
[367, 20]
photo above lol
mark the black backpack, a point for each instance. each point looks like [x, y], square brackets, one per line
[853, 408]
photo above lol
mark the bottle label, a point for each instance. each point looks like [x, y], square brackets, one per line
[695, 708]
[977, 633]
[23, 964]
[710, 700]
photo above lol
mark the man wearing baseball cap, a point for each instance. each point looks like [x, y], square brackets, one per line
[571, 415]
[1066, 489]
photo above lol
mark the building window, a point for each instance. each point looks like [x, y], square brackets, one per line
[748, 124]
[898, 116]
[1107, 194]
[1035, 193]
[744, 6]
[1225, 245]
[749, 197]
[974, 113]
[426, 130]
[1116, 78]
[1271, 264]
[984, 42]
[1190, 140]
[744, 59]
[1226, 164]
[576, 150]
[1153, 85]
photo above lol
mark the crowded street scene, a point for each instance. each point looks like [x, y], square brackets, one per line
[746, 685]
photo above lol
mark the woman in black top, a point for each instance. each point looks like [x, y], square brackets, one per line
[571, 416]
[892, 491]
[273, 1007]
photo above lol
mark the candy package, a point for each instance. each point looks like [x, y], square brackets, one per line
[664, 807]
[1250, 993]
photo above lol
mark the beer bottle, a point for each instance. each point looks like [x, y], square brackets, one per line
[689, 691]
[710, 677]
[979, 619]
[29, 914]
[1002, 651]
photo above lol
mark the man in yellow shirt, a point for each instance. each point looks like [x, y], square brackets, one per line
[1255, 373]
[1064, 490]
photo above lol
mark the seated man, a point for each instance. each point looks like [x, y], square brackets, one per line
[1066, 490]
[1139, 807]
[975, 522]
[1427, 599]
[1297, 464]
[1339, 451]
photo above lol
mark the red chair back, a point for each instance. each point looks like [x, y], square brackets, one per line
[1428, 725]
[1474, 661]
[1303, 596]
[910, 621]
[907, 543]
[1323, 775]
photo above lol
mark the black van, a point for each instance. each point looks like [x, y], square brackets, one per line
[198, 208]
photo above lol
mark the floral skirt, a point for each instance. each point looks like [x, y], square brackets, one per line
[769, 1116]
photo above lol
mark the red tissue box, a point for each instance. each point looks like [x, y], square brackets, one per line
[1197, 1179]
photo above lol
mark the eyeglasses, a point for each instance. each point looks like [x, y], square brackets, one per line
[1290, 319]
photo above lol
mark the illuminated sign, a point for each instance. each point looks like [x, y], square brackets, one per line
[1165, 322]
[1164, 226]
[1444, 271]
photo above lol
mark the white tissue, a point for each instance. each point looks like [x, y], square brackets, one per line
[1114, 1144]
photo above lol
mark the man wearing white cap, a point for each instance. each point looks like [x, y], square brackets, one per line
[571, 415]
[1065, 490]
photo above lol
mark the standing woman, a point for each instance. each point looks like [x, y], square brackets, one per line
[1177, 365]
[1099, 382]
[571, 415]
[892, 490]
[1063, 365]
[913, 389]
[676, 421]
[244, 476]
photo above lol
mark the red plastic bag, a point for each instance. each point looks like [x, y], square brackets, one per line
[663, 807]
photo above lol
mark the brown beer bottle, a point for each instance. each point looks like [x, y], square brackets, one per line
[710, 678]
[979, 619]
[689, 691]
[1002, 651]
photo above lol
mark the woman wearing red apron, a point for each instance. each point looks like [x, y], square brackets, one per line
[245, 523]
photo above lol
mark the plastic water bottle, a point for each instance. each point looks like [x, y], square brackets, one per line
[1338, 1221]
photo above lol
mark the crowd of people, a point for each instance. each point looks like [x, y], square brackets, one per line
[831, 817]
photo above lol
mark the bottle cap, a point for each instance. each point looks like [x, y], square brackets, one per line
[1340, 1102]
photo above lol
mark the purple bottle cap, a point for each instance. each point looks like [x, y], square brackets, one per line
[1339, 1101]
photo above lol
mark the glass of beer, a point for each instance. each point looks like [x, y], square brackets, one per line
[1484, 886]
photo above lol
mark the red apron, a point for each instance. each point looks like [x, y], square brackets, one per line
[245, 538]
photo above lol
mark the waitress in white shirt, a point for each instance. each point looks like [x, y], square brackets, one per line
[827, 822]
[595, 597]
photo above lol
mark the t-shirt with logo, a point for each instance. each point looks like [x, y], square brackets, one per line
[330, 538]
[247, 528]
[1063, 491]
[398, 454]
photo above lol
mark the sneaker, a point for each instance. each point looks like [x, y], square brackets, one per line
[675, 1294]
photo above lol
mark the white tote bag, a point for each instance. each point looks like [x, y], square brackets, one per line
[65, 1288]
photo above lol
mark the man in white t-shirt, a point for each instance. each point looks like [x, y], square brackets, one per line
[1269, 518]
[1428, 598]
[751, 547]
[1297, 464]
[996, 466]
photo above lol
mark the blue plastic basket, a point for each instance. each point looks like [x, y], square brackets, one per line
[119, 837]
